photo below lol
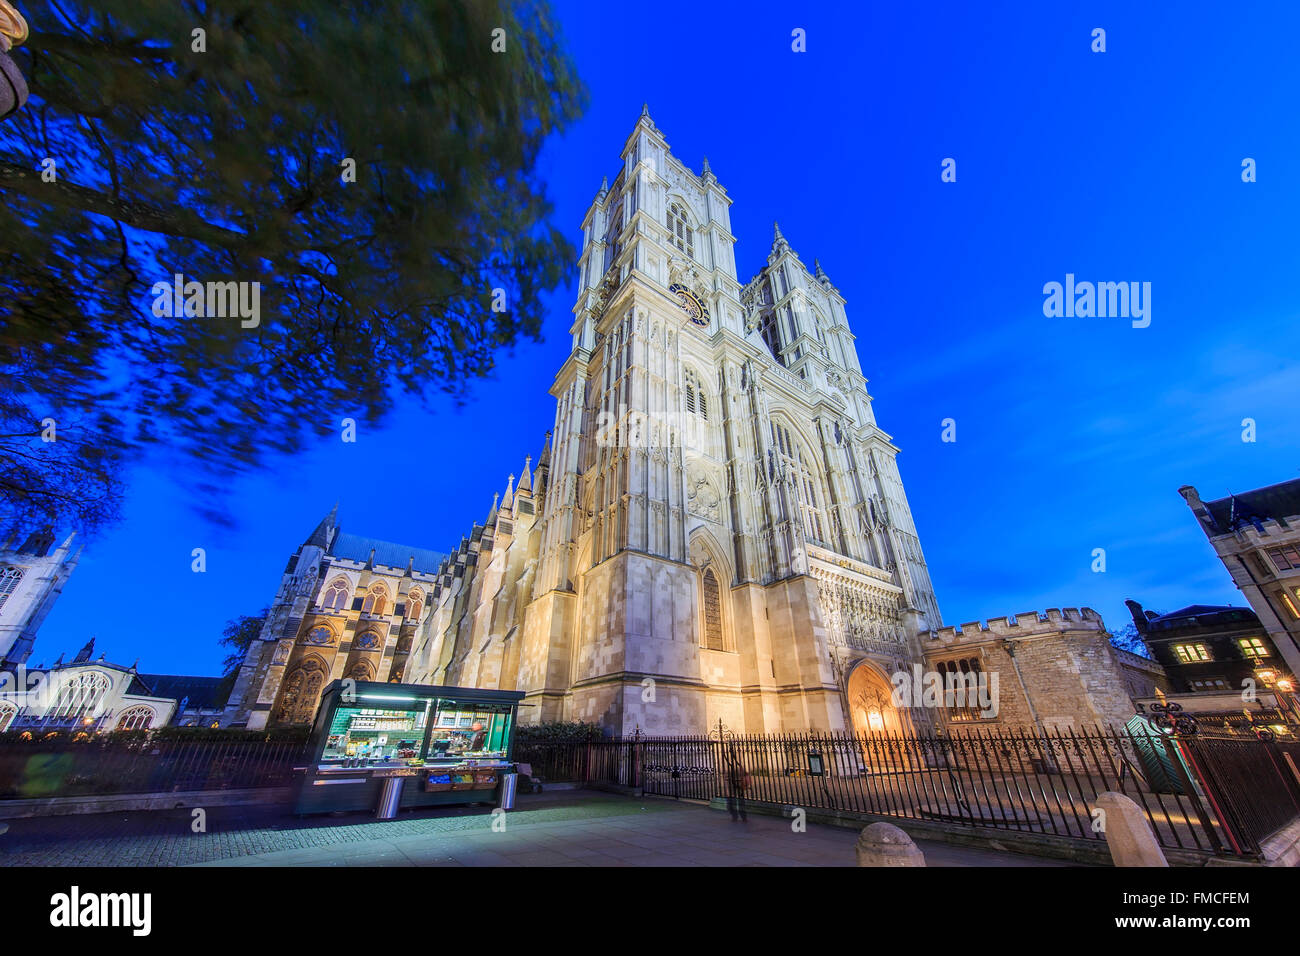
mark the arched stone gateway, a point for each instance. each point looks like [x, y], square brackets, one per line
[876, 721]
[870, 700]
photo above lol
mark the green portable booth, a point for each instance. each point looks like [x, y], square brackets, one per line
[377, 746]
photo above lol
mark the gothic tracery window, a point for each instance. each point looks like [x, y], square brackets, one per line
[680, 233]
[414, 604]
[336, 595]
[771, 334]
[696, 401]
[612, 232]
[805, 483]
[320, 634]
[81, 696]
[9, 578]
[376, 600]
[136, 718]
[302, 693]
[712, 611]
[361, 671]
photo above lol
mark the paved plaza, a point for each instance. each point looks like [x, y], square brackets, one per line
[560, 828]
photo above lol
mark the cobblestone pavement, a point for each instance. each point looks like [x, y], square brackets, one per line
[560, 828]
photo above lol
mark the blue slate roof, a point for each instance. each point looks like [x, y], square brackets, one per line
[1280, 501]
[203, 692]
[355, 547]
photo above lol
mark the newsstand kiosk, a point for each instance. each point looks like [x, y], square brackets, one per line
[385, 746]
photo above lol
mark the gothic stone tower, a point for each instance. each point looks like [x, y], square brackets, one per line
[724, 531]
[715, 530]
[31, 580]
[347, 606]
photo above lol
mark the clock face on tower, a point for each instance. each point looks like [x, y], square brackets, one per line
[690, 304]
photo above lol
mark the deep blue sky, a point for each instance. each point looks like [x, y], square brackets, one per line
[1073, 434]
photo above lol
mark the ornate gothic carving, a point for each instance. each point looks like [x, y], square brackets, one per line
[860, 616]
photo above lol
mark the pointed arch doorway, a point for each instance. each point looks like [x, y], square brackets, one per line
[881, 728]
[871, 706]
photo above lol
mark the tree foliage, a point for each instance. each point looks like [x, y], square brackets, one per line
[211, 141]
[1128, 639]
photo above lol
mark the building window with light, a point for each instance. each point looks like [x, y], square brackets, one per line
[1252, 647]
[81, 696]
[965, 679]
[1192, 653]
[136, 718]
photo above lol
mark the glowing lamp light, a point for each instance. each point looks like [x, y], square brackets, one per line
[875, 721]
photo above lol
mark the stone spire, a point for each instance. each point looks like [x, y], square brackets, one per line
[544, 459]
[83, 655]
[645, 116]
[492, 515]
[778, 240]
[707, 172]
[604, 189]
[508, 500]
[320, 538]
[822, 277]
[526, 479]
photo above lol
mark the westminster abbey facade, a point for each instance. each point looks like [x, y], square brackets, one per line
[715, 529]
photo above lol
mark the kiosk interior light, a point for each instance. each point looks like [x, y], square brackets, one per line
[409, 700]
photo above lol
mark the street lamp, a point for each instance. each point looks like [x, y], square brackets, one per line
[13, 88]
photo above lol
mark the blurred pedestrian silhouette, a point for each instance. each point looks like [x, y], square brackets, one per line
[737, 784]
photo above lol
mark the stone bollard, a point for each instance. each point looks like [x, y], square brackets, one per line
[1128, 834]
[883, 844]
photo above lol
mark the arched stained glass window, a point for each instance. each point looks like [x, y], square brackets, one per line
[336, 595]
[376, 600]
[320, 634]
[136, 718]
[414, 604]
[81, 696]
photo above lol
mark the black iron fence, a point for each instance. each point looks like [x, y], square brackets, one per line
[108, 765]
[1212, 795]
[1219, 795]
